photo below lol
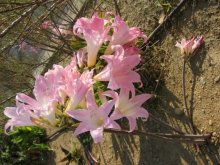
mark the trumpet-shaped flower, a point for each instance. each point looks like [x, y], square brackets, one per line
[19, 116]
[94, 32]
[119, 71]
[76, 89]
[122, 34]
[187, 47]
[46, 99]
[129, 107]
[94, 118]
[60, 77]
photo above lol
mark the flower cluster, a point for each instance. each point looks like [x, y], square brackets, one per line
[95, 89]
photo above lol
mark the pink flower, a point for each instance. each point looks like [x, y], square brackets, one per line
[61, 31]
[22, 46]
[19, 116]
[119, 71]
[33, 50]
[94, 32]
[128, 107]
[187, 47]
[45, 24]
[76, 89]
[60, 77]
[46, 99]
[123, 34]
[94, 118]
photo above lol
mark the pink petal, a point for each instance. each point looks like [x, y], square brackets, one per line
[132, 123]
[94, 43]
[197, 42]
[8, 125]
[130, 51]
[91, 103]
[124, 94]
[112, 124]
[79, 114]
[113, 84]
[108, 58]
[81, 57]
[127, 80]
[116, 115]
[104, 75]
[140, 99]
[97, 134]
[131, 61]
[81, 129]
[111, 94]
[102, 97]
[106, 108]
[143, 113]
[11, 112]
[26, 99]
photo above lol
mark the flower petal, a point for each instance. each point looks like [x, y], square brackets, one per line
[106, 108]
[11, 112]
[26, 99]
[140, 99]
[91, 103]
[81, 129]
[132, 123]
[79, 114]
[112, 124]
[97, 134]
[143, 113]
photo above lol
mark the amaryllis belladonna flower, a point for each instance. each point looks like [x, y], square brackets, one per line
[129, 107]
[77, 89]
[119, 70]
[94, 32]
[122, 34]
[187, 47]
[94, 118]
[19, 116]
[45, 101]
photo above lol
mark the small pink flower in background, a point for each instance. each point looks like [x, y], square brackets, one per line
[19, 116]
[128, 107]
[61, 31]
[22, 46]
[187, 47]
[94, 32]
[94, 118]
[45, 24]
[33, 50]
[123, 34]
[119, 71]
